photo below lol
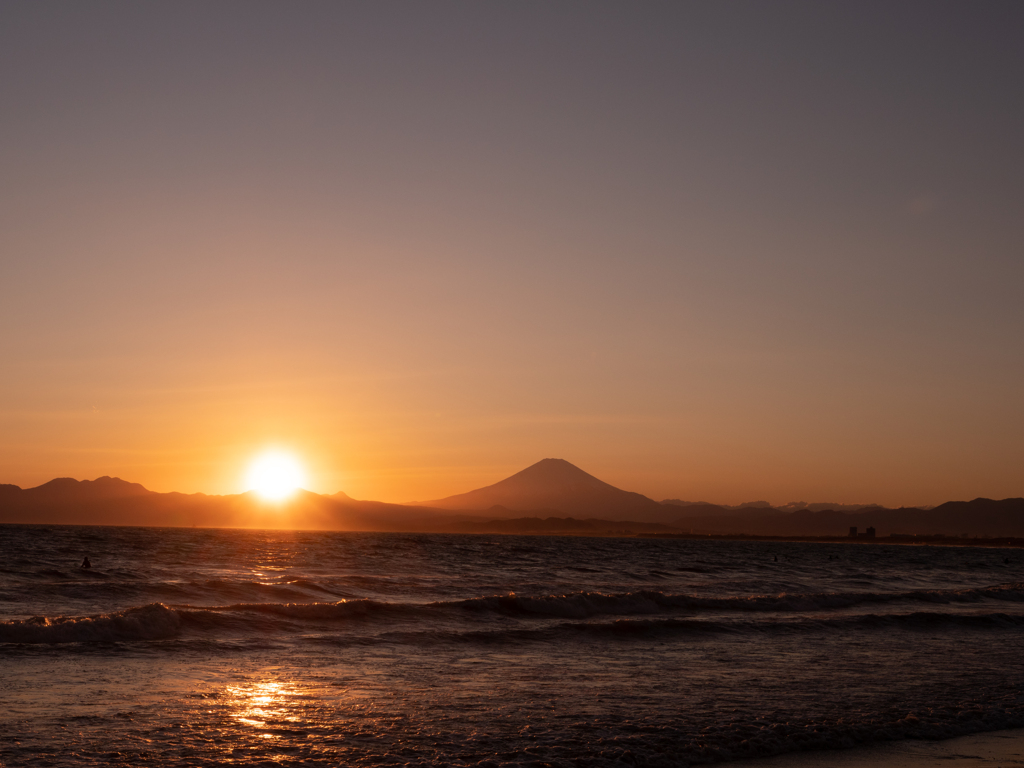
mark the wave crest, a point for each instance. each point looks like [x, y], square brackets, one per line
[157, 621]
[148, 622]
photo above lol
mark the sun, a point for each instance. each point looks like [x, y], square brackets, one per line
[275, 475]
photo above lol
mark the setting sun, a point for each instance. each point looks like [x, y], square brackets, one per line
[275, 475]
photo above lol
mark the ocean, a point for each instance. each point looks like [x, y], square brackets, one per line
[195, 647]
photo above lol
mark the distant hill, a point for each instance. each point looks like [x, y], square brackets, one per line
[557, 485]
[111, 501]
[795, 506]
[65, 489]
[980, 517]
[559, 526]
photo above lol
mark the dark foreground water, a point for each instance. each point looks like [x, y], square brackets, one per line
[197, 647]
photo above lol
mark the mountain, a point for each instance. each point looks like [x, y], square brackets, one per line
[67, 488]
[556, 485]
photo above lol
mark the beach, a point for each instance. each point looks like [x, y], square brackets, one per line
[980, 750]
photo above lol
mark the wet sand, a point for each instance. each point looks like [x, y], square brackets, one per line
[998, 749]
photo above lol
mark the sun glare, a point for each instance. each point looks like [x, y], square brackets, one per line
[275, 476]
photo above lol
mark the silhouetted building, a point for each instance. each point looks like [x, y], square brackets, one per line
[853, 531]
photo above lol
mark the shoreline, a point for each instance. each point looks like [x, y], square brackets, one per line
[897, 540]
[900, 540]
[990, 749]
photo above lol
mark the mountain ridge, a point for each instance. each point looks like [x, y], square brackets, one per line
[551, 496]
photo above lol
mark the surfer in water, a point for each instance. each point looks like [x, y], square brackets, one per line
[86, 563]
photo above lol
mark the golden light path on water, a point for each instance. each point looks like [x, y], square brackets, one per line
[271, 718]
[257, 703]
[268, 718]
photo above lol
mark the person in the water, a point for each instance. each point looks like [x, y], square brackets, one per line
[86, 563]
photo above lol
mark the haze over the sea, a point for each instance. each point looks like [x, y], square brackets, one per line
[710, 251]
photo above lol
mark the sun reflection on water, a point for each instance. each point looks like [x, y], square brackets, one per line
[257, 704]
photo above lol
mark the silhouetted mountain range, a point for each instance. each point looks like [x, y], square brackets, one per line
[551, 496]
[980, 517]
[793, 506]
[112, 501]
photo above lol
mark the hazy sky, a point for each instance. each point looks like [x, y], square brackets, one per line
[721, 251]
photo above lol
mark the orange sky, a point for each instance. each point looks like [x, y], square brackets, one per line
[703, 255]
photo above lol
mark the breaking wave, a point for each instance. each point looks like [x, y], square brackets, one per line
[543, 616]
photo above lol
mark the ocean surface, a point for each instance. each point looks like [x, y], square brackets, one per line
[184, 647]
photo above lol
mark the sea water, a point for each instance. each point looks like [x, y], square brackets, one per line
[188, 647]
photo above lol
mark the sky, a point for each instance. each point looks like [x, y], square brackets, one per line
[723, 251]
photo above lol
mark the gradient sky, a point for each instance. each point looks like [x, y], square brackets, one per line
[721, 251]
